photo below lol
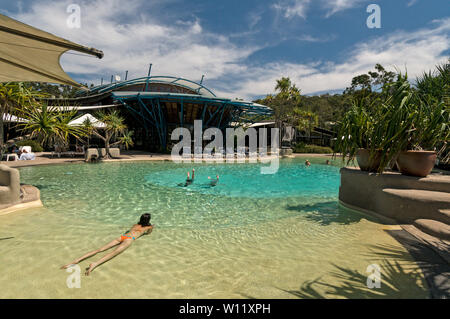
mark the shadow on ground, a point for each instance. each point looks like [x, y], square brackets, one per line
[397, 280]
[326, 213]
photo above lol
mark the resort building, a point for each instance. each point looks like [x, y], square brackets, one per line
[154, 106]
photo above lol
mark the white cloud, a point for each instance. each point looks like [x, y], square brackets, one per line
[181, 49]
[416, 51]
[293, 8]
[186, 49]
[334, 6]
[411, 3]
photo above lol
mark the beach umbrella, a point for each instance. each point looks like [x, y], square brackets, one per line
[28, 54]
[94, 121]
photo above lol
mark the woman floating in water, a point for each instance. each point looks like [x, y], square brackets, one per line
[142, 228]
[213, 182]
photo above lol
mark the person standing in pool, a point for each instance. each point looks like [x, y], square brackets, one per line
[189, 180]
[307, 163]
[143, 227]
[213, 182]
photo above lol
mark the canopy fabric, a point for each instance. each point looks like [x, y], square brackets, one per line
[95, 123]
[28, 54]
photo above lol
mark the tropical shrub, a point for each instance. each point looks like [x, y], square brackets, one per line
[305, 148]
[35, 145]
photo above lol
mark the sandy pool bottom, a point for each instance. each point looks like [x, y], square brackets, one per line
[277, 259]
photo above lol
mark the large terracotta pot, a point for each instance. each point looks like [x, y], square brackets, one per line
[416, 163]
[365, 162]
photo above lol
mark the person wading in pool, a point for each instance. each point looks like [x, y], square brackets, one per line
[189, 180]
[123, 242]
[213, 182]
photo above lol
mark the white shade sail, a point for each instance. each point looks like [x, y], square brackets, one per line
[28, 54]
[12, 118]
[80, 121]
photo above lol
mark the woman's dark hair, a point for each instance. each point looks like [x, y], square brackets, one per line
[145, 220]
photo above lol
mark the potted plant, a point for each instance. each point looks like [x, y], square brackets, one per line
[414, 125]
[356, 135]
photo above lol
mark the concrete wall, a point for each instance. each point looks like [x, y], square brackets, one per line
[100, 152]
[401, 198]
[9, 185]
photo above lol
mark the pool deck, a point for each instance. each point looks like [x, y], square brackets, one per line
[45, 158]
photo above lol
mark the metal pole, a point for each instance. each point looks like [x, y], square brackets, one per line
[148, 77]
[101, 82]
[112, 78]
[201, 81]
[126, 75]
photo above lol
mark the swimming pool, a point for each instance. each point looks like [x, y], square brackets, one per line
[253, 235]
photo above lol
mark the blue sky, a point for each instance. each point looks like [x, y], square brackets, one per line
[243, 46]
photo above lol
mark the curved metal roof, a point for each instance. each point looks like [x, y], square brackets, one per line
[171, 80]
[248, 107]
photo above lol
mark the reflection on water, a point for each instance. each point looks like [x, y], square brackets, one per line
[242, 238]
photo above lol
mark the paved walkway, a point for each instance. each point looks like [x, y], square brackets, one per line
[45, 158]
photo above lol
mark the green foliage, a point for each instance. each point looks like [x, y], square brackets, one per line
[126, 139]
[13, 97]
[53, 90]
[358, 129]
[35, 145]
[402, 119]
[436, 84]
[328, 108]
[115, 129]
[305, 120]
[304, 148]
[49, 125]
[364, 84]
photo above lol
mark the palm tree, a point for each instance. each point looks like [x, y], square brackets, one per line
[283, 85]
[284, 103]
[50, 125]
[14, 96]
[115, 128]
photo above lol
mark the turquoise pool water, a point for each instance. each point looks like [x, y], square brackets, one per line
[117, 192]
[252, 235]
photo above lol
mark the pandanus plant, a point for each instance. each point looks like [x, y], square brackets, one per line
[50, 125]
